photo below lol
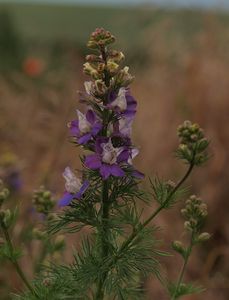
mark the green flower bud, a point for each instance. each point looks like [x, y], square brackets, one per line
[47, 282]
[205, 236]
[38, 234]
[179, 247]
[8, 218]
[59, 242]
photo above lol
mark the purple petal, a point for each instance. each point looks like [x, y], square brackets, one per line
[66, 199]
[82, 190]
[90, 116]
[93, 161]
[138, 174]
[96, 128]
[99, 141]
[129, 113]
[123, 156]
[105, 171]
[117, 171]
[84, 139]
[112, 96]
[74, 128]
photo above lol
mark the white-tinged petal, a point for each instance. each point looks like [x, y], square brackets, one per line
[133, 154]
[72, 184]
[120, 101]
[110, 154]
[84, 125]
[125, 126]
[88, 85]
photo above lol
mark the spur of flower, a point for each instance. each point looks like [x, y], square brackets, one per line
[74, 187]
[85, 127]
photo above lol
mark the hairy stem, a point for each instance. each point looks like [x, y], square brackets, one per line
[14, 260]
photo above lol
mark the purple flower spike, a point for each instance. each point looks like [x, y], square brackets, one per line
[74, 188]
[86, 127]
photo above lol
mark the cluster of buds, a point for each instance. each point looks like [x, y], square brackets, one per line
[193, 143]
[43, 201]
[6, 216]
[100, 38]
[4, 193]
[106, 62]
[195, 212]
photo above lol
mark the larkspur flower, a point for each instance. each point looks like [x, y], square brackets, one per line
[74, 187]
[122, 103]
[87, 126]
[107, 159]
[122, 127]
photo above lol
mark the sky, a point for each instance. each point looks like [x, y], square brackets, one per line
[184, 3]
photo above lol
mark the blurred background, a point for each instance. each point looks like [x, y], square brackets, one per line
[179, 54]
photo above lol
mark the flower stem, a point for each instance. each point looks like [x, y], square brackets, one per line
[104, 235]
[180, 278]
[14, 260]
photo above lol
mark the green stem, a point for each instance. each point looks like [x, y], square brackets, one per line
[180, 278]
[104, 234]
[156, 212]
[14, 260]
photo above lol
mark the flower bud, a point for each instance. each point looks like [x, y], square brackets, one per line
[123, 77]
[8, 218]
[91, 71]
[179, 247]
[112, 67]
[47, 282]
[4, 194]
[100, 87]
[116, 56]
[59, 242]
[203, 237]
[38, 234]
[93, 58]
[100, 38]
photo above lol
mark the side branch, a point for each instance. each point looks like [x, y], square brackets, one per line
[155, 213]
[14, 260]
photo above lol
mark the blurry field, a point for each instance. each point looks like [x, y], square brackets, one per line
[181, 63]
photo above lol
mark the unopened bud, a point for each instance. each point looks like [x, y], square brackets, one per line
[178, 247]
[38, 234]
[100, 87]
[112, 67]
[203, 237]
[59, 242]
